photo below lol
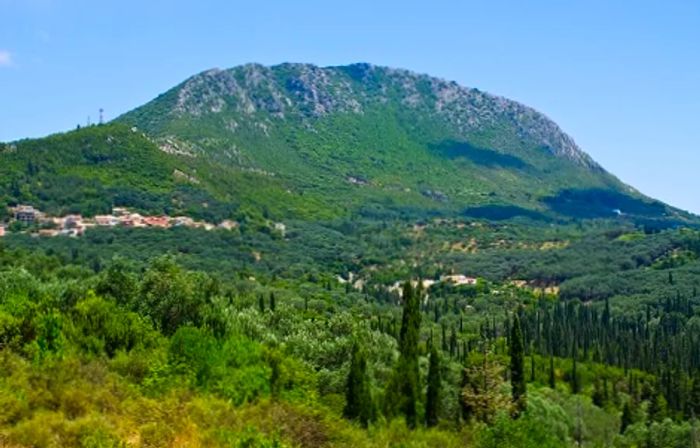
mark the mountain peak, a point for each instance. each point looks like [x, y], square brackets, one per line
[307, 92]
[413, 143]
[298, 140]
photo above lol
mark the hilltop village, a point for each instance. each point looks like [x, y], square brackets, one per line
[26, 218]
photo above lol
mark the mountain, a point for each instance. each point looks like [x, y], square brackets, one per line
[297, 140]
[292, 328]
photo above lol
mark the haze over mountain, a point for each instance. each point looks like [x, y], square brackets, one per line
[297, 140]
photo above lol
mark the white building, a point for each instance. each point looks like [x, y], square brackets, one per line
[106, 220]
[459, 279]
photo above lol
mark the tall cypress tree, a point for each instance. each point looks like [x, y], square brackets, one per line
[444, 338]
[275, 374]
[407, 373]
[575, 386]
[626, 418]
[693, 403]
[517, 367]
[598, 395]
[552, 376]
[433, 394]
[658, 407]
[358, 399]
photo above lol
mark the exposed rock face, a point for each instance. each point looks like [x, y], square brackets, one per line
[308, 92]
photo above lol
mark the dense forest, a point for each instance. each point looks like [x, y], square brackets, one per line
[107, 342]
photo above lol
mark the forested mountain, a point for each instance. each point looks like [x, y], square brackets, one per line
[407, 262]
[307, 142]
[382, 138]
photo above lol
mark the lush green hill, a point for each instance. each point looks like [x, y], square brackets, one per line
[374, 140]
[92, 169]
[299, 141]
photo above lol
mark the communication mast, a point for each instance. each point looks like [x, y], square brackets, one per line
[102, 115]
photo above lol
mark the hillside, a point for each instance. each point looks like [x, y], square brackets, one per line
[378, 140]
[300, 141]
[413, 264]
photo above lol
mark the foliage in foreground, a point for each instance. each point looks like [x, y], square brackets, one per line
[171, 357]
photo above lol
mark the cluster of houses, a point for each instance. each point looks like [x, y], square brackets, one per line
[453, 279]
[75, 225]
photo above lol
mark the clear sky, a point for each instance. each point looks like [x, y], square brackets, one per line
[621, 76]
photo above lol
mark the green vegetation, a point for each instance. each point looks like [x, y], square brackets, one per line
[302, 142]
[517, 368]
[453, 271]
[283, 360]
[87, 171]
[432, 402]
[359, 403]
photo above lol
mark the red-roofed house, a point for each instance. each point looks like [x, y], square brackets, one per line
[157, 221]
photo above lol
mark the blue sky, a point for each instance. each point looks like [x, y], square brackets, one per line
[621, 77]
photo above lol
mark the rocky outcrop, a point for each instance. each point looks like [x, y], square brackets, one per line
[307, 92]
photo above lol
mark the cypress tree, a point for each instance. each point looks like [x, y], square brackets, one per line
[598, 395]
[433, 394]
[410, 324]
[402, 393]
[275, 374]
[358, 400]
[273, 302]
[552, 377]
[261, 303]
[409, 339]
[444, 338]
[658, 407]
[626, 418]
[606, 314]
[575, 386]
[517, 367]
[466, 408]
[693, 403]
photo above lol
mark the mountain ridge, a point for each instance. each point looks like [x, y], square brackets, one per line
[311, 77]
[360, 140]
